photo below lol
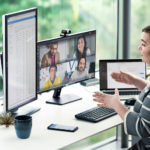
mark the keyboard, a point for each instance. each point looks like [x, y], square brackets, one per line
[124, 92]
[96, 114]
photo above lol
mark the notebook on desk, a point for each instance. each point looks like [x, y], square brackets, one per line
[108, 84]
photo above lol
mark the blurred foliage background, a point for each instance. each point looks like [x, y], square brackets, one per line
[55, 15]
[139, 19]
[77, 15]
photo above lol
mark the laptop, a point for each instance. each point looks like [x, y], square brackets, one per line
[108, 84]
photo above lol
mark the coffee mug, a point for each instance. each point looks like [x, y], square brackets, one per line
[23, 125]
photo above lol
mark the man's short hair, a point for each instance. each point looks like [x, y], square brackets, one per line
[52, 66]
[54, 43]
[51, 44]
[79, 62]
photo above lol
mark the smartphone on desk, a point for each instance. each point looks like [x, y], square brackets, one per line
[62, 127]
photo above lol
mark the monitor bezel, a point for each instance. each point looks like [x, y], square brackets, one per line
[47, 41]
[1, 61]
[118, 60]
[5, 57]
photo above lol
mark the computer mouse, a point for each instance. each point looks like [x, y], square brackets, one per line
[130, 101]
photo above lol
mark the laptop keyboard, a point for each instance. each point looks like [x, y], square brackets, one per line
[123, 92]
[96, 114]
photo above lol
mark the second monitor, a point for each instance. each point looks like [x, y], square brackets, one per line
[63, 61]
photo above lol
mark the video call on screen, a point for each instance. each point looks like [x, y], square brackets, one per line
[66, 60]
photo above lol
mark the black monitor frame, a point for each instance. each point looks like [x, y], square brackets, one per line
[1, 66]
[1, 57]
[57, 90]
[5, 56]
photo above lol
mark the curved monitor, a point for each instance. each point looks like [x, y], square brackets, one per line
[19, 57]
[66, 60]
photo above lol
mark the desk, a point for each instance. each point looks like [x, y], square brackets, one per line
[41, 138]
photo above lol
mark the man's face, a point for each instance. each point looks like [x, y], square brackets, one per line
[53, 49]
[52, 73]
[81, 65]
[144, 47]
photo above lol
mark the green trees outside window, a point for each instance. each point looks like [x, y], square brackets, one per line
[55, 15]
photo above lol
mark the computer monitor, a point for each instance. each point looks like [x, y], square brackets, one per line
[63, 61]
[19, 59]
[1, 63]
[1, 78]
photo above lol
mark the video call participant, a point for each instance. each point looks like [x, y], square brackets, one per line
[53, 80]
[81, 49]
[136, 122]
[81, 71]
[52, 57]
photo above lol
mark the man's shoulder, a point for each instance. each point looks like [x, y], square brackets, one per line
[47, 82]
[58, 78]
[75, 72]
[57, 54]
[47, 55]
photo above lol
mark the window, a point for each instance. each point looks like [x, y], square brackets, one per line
[140, 14]
[77, 15]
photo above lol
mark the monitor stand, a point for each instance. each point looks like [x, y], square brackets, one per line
[26, 110]
[64, 99]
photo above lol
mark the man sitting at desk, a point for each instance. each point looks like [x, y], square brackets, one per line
[81, 71]
[52, 57]
[53, 80]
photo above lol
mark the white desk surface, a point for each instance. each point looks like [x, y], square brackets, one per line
[43, 139]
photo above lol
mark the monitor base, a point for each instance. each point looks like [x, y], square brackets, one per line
[26, 111]
[64, 99]
[90, 82]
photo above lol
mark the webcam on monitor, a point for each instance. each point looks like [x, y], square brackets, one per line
[65, 32]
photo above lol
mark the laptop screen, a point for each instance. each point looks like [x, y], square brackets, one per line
[107, 67]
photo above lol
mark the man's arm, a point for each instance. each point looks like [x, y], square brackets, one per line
[43, 62]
